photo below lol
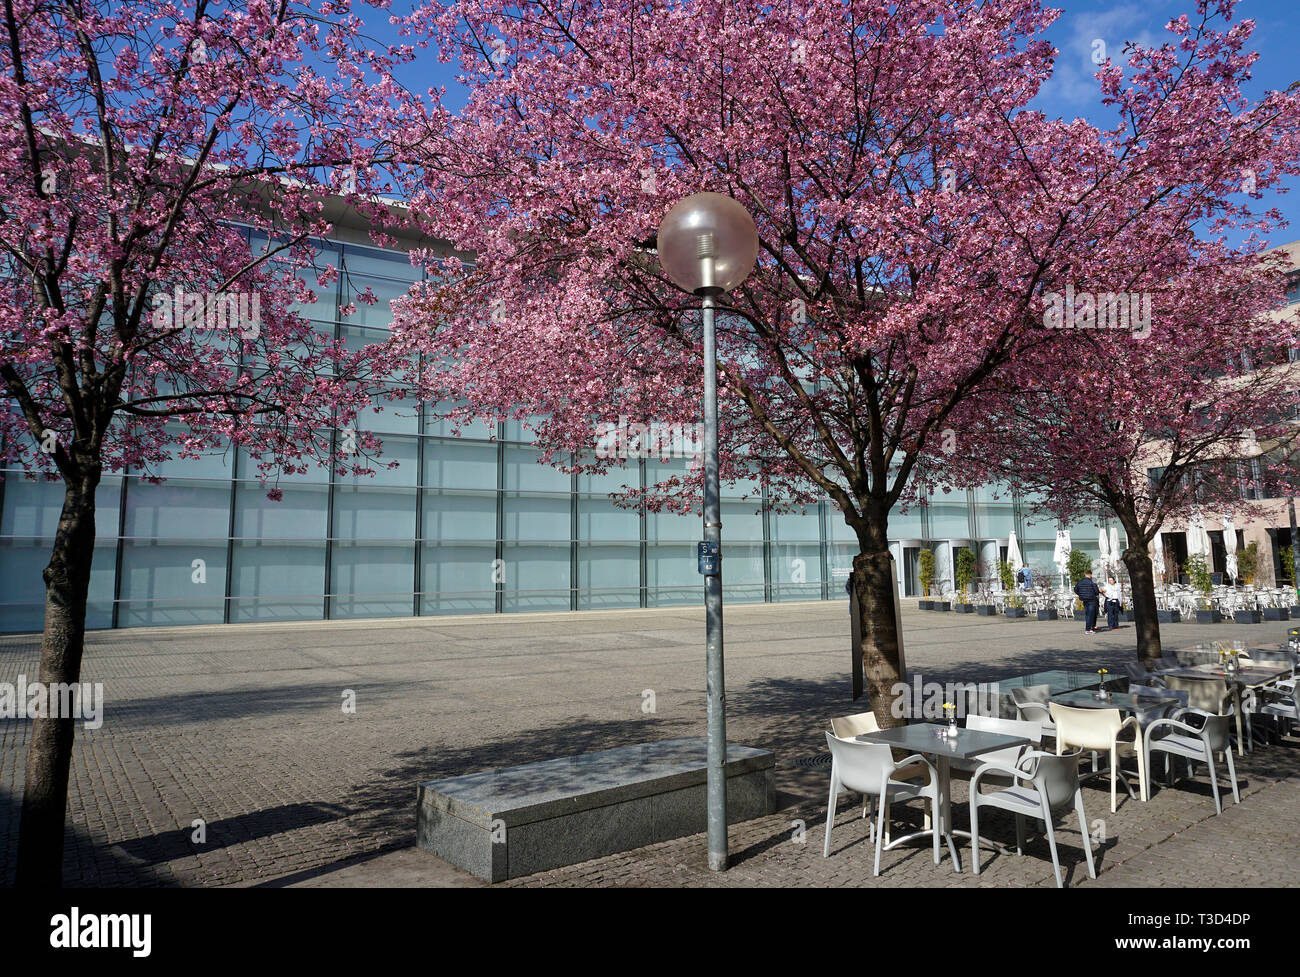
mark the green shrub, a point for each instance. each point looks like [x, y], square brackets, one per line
[965, 571]
[1248, 563]
[927, 569]
[1078, 566]
[1008, 578]
[1199, 576]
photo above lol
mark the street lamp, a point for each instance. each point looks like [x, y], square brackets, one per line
[708, 245]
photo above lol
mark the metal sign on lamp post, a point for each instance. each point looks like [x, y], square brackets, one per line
[708, 245]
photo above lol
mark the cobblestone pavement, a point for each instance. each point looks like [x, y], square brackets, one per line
[242, 728]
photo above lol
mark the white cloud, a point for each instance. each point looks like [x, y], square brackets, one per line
[1072, 82]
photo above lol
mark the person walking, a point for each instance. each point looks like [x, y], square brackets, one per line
[1086, 590]
[1111, 594]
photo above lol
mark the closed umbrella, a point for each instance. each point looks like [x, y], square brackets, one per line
[1230, 547]
[1158, 559]
[1013, 553]
[1061, 555]
[1114, 550]
[1197, 540]
[1103, 547]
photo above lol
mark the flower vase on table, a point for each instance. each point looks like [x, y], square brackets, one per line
[1102, 694]
[950, 713]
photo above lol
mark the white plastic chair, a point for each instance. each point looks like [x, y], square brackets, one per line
[1099, 729]
[868, 769]
[1195, 745]
[1031, 706]
[1044, 787]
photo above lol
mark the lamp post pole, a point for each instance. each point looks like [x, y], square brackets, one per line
[707, 244]
[716, 686]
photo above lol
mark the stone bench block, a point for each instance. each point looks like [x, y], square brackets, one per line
[515, 821]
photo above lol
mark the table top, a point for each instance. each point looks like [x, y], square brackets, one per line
[1258, 674]
[925, 738]
[1058, 680]
[1124, 701]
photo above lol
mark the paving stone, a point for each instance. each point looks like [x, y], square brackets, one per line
[242, 726]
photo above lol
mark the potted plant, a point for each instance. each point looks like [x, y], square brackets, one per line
[1008, 577]
[926, 559]
[1199, 575]
[1248, 563]
[1285, 579]
[965, 573]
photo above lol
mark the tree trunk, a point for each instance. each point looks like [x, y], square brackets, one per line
[873, 577]
[1142, 582]
[49, 754]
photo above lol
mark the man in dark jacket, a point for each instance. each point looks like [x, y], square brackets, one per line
[1088, 592]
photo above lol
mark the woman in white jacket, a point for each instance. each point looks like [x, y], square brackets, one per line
[1111, 595]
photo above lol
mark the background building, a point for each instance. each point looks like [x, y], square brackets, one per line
[467, 524]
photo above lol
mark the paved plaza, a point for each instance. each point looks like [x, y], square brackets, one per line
[243, 728]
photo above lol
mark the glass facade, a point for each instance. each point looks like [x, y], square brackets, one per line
[464, 524]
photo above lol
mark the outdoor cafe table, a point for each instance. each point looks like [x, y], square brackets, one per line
[1123, 701]
[1056, 680]
[1243, 678]
[924, 738]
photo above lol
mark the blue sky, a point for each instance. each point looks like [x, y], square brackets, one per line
[1072, 91]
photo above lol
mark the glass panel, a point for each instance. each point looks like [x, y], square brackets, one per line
[395, 416]
[672, 575]
[994, 521]
[460, 464]
[600, 519]
[32, 508]
[949, 520]
[609, 575]
[740, 521]
[325, 306]
[796, 525]
[839, 558]
[277, 581]
[796, 571]
[394, 447]
[613, 480]
[372, 579]
[522, 472]
[22, 587]
[452, 515]
[521, 430]
[164, 583]
[1038, 557]
[530, 517]
[379, 315]
[742, 570]
[315, 472]
[536, 576]
[994, 492]
[435, 423]
[457, 578]
[213, 465]
[902, 525]
[745, 488]
[180, 509]
[301, 514]
[362, 262]
[356, 338]
[374, 512]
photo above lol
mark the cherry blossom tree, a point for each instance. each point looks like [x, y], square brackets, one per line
[911, 208]
[141, 142]
[1180, 415]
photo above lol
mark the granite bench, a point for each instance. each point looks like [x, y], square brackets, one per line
[502, 824]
